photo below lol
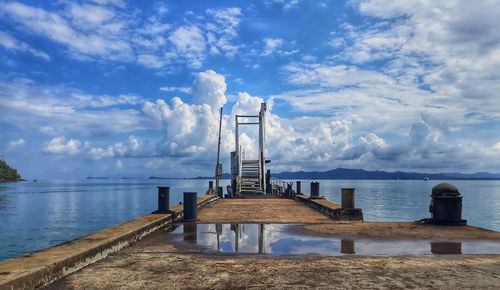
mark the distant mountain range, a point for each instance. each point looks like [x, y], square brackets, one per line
[345, 173]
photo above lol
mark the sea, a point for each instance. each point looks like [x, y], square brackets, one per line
[37, 215]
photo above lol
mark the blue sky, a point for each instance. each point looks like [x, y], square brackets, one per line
[116, 88]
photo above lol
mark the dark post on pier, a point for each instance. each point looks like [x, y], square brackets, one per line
[190, 206]
[163, 199]
[348, 195]
[314, 189]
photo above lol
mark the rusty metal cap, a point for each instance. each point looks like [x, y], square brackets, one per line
[445, 189]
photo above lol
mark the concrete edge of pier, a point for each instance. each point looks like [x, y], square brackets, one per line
[43, 267]
[331, 209]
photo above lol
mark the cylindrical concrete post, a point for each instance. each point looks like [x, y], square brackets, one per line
[163, 199]
[289, 190]
[210, 186]
[348, 196]
[190, 206]
[220, 192]
[314, 189]
[299, 190]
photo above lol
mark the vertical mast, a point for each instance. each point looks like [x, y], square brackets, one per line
[262, 142]
[218, 167]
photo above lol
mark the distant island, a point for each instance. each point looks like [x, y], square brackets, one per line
[8, 173]
[345, 173]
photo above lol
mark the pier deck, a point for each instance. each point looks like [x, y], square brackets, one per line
[260, 211]
[155, 263]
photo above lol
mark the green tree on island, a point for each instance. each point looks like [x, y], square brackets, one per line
[7, 172]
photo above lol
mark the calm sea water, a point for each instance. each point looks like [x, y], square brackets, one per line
[38, 215]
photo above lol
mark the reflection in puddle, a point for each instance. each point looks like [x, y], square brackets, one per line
[280, 239]
[347, 246]
[446, 247]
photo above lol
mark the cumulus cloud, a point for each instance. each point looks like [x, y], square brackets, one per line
[133, 147]
[209, 88]
[59, 145]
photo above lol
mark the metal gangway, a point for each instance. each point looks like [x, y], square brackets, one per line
[248, 176]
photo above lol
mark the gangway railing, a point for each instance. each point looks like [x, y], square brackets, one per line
[281, 188]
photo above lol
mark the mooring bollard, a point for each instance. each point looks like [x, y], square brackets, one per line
[446, 205]
[163, 199]
[289, 190]
[314, 189]
[220, 192]
[348, 210]
[190, 206]
[299, 191]
[348, 196]
[211, 186]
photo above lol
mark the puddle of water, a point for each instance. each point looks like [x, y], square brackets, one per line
[282, 240]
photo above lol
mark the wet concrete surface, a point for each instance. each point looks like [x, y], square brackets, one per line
[290, 240]
[154, 263]
[168, 261]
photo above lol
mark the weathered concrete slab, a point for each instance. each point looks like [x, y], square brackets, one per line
[40, 268]
[330, 208]
[260, 211]
[156, 265]
[403, 230]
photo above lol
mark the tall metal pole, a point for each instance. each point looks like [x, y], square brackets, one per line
[218, 167]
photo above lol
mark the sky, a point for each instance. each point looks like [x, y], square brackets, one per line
[133, 89]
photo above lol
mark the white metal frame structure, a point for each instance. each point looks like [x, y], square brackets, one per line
[236, 161]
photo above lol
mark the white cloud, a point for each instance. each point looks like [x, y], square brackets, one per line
[119, 164]
[452, 47]
[62, 110]
[109, 31]
[189, 43]
[59, 145]
[209, 88]
[286, 4]
[56, 27]
[91, 101]
[16, 143]
[9, 42]
[496, 147]
[271, 45]
[186, 90]
[221, 35]
[133, 147]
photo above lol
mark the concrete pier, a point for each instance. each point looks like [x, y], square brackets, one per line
[43, 267]
[154, 264]
[135, 254]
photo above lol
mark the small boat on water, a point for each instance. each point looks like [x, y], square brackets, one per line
[426, 179]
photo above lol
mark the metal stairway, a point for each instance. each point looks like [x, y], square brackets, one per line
[250, 177]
